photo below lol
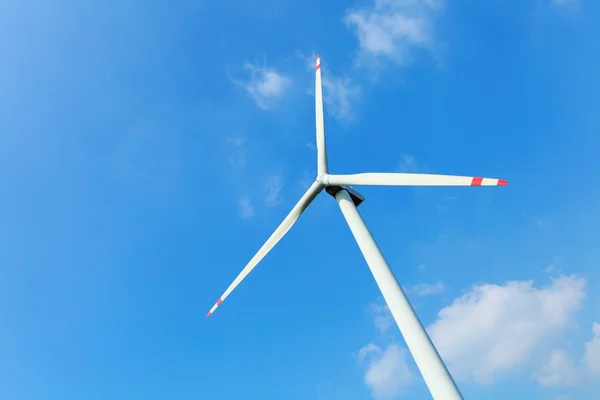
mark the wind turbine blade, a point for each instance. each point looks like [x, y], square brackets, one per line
[399, 179]
[281, 230]
[321, 149]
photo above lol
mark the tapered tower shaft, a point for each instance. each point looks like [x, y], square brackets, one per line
[430, 364]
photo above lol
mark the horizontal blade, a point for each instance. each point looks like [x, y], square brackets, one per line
[281, 230]
[398, 179]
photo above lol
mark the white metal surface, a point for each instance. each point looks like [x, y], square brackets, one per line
[400, 179]
[436, 375]
[281, 230]
[322, 167]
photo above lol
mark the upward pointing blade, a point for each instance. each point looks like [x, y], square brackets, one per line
[281, 230]
[321, 148]
[397, 179]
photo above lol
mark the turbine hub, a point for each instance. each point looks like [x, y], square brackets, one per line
[323, 179]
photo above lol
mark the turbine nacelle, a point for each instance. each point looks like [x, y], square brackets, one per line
[356, 197]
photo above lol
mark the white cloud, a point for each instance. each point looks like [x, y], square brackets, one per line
[560, 368]
[387, 372]
[592, 351]
[494, 329]
[339, 94]
[245, 206]
[238, 158]
[265, 85]
[381, 316]
[367, 350]
[273, 187]
[425, 289]
[389, 29]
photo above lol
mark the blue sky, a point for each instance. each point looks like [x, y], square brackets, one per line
[147, 151]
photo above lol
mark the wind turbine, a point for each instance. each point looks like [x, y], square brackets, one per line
[432, 368]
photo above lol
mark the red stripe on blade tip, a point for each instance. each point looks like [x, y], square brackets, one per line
[476, 181]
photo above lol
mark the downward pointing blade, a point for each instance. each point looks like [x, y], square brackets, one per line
[281, 230]
[398, 179]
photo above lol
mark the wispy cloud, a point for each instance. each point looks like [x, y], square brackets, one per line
[387, 372]
[381, 316]
[340, 92]
[564, 2]
[258, 189]
[427, 289]
[273, 187]
[389, 29]
[408, 164]
[539, 221]
[245, 206]
[264, 84]
[339, 95]
[494, 329]
[238, 157]
[306, 180]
